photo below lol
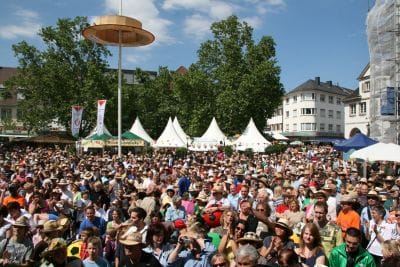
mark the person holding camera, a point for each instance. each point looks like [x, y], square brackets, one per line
[192, 249]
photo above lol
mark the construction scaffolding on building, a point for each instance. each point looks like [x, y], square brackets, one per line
[383, 30]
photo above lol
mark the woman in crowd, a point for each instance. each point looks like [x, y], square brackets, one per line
[246, 215]
[228, 221]
[228, 245]
[390, 249]
[219, 260]
[310, 249]
[116, 221]
[157, 243]
[294, 215]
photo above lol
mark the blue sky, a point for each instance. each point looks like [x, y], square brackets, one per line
[325, 38]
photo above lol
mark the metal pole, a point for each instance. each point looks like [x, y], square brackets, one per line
[119, 84]
[119, 94]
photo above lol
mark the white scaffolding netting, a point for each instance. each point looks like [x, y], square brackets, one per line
[383, 41]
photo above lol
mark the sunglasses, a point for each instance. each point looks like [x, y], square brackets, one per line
[240, 229]
[260, 209]
[397, 215]
[219, 264]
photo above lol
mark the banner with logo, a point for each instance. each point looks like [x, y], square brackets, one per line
[101, 107]
[76, 120]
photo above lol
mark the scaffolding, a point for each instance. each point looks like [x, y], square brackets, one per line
[383, 30]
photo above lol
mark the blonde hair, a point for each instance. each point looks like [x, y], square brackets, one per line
[390, 248]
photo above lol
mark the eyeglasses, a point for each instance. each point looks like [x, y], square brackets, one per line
[240, 229]
[222, 264]
[260, 209]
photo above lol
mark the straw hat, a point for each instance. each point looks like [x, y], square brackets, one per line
[284, 224]
[347, 199]
[51, 226]
[21, 222]
[373, 194]
[88, 176]
[251, 237]
[202, 197]
[55, 244]
[132, 239]
[28, 185]
[63, 182]
[217, 189]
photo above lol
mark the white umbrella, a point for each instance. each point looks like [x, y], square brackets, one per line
[378, 152]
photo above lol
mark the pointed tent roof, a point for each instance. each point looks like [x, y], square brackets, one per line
[169, 137]
[356, 142]
[94, 132]
[252, 138]
[138, 129]
[213, 132]
[181, 133]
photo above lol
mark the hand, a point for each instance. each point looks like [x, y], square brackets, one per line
[367, 224]
[375, 229]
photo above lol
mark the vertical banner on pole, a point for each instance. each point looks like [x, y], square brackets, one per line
[101, 107]
[76, 120]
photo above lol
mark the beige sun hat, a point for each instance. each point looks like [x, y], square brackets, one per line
[132, 239]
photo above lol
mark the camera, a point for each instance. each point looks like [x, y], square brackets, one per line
[184, 241]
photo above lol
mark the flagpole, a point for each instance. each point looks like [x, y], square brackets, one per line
[119, 86]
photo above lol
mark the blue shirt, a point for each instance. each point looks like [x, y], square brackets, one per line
[187, 259]
[166, 249]
[99, 262]
[98, 222]
[233, 201]
[174, 214]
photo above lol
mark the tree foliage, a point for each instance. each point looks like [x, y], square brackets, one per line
[69, 71]
[234, 79]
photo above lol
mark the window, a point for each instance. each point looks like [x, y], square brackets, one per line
[308, 96]
[308, 126]
[322, 112]
[338, 115]
[287, 101]
[5, 114]
[19, 114]
[353, 109]
[330, 127]
[322, 126]
[338, 101]
[322, 98]
[330, 99]
[294, 112]
[366, 87]
[287, 127]
[294, 98]
[308, 111]
[330, 113]
[294, 127]
[338, 129]
[363, 108]
[287, 114]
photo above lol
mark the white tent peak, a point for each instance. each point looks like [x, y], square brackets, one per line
[138, 129]
[169, 137]
[181, 133]
[252, 138]
[94, 131]
[213, 132]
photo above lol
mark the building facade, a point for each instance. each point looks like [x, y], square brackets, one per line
[357, 107]
[313, 111]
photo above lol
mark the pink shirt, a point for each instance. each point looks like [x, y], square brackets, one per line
[188, 205]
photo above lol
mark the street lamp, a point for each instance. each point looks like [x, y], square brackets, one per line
[118, 30]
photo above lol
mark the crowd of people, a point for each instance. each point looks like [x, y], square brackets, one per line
[303, 207]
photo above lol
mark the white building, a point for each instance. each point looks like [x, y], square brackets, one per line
[313, 111]
[357, 107]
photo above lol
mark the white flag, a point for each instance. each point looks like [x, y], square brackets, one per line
[76, 120]
[101, 108]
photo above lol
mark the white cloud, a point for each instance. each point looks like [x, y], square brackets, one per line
[27, 25]
[148, 14]
[197, 26]
[135, 58]
[187, 4]
[221, 10]
[254, 22]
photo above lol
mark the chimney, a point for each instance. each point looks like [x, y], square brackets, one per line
[329, 83]
[318, 80]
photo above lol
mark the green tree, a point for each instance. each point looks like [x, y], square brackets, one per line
[69, 71]
[241, 77]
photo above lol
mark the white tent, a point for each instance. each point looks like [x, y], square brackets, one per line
[169, 137]
[138, 129]
[94, 131]
[278, 136]
[211, 139]
[378, 152]
[252, 138]
[184, 137]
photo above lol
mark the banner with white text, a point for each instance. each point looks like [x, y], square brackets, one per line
[101, 107]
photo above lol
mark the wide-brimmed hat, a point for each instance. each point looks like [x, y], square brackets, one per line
[251, 237]
[55, 244]
[170, 188]
[63, 223]
[63, 182]
[21, 222]
[132, 239]
[373, 194]
[263, 180]
[284, 224]
[389, 179]
[202, 197]
[321, 193]
[28, 185]
[347, 199]
[217, 189]
[51, 226]
[88, 176]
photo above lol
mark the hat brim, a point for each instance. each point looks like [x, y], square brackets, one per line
[285, 227]
[129, 242]
[258, 242]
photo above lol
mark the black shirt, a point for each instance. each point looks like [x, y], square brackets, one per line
[146, 259]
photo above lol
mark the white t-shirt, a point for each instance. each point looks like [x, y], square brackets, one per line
[385, 230]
